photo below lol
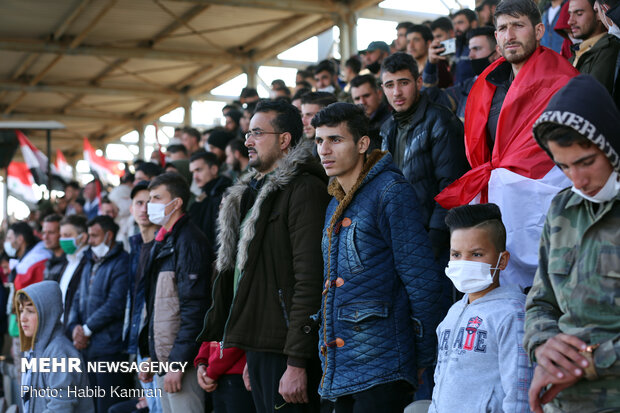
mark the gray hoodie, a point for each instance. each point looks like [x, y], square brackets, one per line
[50, 342]
[481, 364]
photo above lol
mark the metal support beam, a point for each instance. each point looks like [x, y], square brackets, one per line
[141, 140]
[251, 70]
[396, 15]
[28, 45]
[91, 90]
[294, 6]
[61, 117]
[187, 106]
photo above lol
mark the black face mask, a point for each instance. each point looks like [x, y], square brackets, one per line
[478, 65]
[374, 67]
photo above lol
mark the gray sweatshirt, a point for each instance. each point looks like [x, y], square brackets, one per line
[481, 365]
[50, 342]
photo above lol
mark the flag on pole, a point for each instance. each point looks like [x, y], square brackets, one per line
[20, 181]
[62, 167]
[35, 159]
[99, 165]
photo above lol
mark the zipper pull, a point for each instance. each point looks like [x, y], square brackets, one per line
[221, 350]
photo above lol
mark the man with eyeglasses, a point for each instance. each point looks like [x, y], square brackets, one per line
[269, 263]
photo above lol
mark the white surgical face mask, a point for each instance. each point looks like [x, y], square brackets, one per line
[607, 192]
[9, 249]
[157, 213]
[102, 249]
[328, 89]
[471, 276]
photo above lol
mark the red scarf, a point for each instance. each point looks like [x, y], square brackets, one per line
[515, 149]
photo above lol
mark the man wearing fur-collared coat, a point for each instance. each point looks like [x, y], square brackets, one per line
[269, 264]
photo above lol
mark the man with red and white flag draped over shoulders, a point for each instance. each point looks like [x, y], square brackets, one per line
[508, 167]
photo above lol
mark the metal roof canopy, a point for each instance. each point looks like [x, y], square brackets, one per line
[106, 67]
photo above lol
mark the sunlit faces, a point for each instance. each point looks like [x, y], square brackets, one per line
[371, 57]
[587, 168]
[96, 235]
[416, 45]
[461, 24]
[479, 47]
[340, 155]
[401, 89]
[323, 79]
[50, 234]
[202, 172]
[517, 38]
[308, 110]
[368, 97]
[28, 318]
[138, 208]
[265, 145]
[473, 244]
[401, 39]
[583, 20]
[442, 35]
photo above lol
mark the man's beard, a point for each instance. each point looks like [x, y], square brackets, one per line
[519, 57]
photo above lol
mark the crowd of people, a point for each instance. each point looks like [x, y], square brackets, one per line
[433, 220]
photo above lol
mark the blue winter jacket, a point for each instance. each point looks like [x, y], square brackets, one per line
[551, 38]
[100, 303]
[380, 305]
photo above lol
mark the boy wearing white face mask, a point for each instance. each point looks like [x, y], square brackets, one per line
[481, 364]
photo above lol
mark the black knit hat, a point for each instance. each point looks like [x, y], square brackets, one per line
[587, 107]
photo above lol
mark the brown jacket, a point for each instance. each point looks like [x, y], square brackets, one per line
[279, 254]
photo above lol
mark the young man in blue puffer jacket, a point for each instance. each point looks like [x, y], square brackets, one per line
[382, 297]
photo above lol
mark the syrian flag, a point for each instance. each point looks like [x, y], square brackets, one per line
[99, 165]
[63, 168]
[20, 182]
[35, 159]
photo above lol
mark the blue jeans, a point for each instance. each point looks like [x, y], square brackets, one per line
[231, 396]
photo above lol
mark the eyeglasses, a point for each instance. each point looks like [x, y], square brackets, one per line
[259, 133]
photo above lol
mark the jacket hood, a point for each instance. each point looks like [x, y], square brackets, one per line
[232, 249]
[47, 300]
[587, 107]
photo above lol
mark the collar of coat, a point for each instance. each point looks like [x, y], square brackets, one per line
[344, 199]
[233, 248]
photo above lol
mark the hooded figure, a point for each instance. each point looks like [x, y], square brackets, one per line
[576, 288]
[48, 341]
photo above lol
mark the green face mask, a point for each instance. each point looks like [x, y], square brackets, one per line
[68, 245]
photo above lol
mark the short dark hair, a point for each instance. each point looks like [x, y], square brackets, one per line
[563, 135]
[278, 83]
[248, 92]
[239, 146]
[325, 65]
[73, 184]
[400, 61]
[193, 132]
[404, 25]
[487, 31]
[354, 64]
[284, 89]
[52, 218]
[341, 112]
[176, 149]
[175, 184]
[149, 169]
[22, 228]
[358, 81]
[469, 14]
[288, 118]
[442, 23]
[424, 31]
[516, 8]
[484, 216]
[208, 157]
[77, 221]
[105, 222]
[318, 98]
[301, 92]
